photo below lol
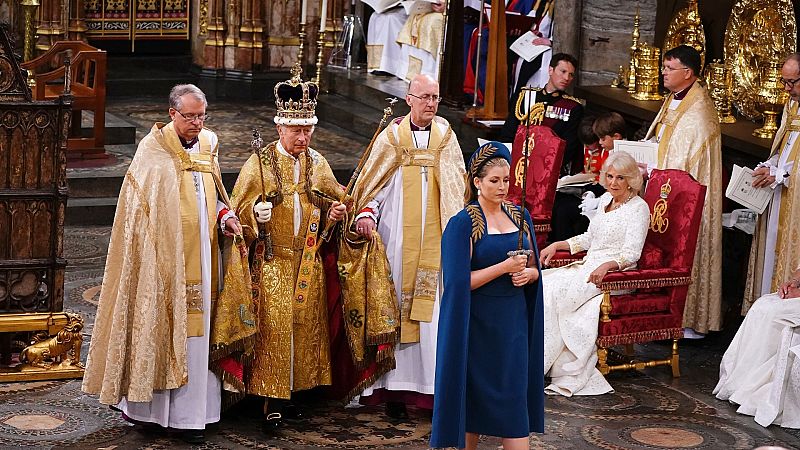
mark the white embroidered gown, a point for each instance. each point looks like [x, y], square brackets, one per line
[572, 305]
[761, 368]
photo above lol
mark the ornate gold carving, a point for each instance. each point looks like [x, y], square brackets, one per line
[686, 29]
[203, 19]
[648, 63]
[758, 32]
[718, 80]
[30, 7]
[61, 351]
[770, 100]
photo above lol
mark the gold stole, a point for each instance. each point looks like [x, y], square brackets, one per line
[784, 221]
[421, 248]
[202, 162]
[668, 118]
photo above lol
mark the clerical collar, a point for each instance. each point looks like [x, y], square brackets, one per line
[188, 145]
[418, 128]
[680, 95]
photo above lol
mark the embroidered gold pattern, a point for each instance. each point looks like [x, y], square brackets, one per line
[658, 222]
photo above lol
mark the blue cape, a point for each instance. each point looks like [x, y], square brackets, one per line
[449, 404]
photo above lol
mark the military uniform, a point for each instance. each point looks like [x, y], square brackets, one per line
[563, 114]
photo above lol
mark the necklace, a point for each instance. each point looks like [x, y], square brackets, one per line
[616, 206]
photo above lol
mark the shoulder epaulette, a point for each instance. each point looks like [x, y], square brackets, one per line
[574, 99]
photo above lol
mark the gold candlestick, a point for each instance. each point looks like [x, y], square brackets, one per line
[321, 45]
[634, 48]
[30, 7]
[302, 36]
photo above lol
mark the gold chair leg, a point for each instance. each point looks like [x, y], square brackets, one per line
[675, 362]
[602, 360]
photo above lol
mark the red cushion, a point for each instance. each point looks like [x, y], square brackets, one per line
[639, 303]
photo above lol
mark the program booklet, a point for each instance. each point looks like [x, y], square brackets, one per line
[740, 189]
[642, 152]
[525, 47]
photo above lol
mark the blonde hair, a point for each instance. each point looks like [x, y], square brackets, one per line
[626, 166]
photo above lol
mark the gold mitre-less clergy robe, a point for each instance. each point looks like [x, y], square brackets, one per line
[292, 349]
[151, 287]
[690, 140]
[786, 256]
[395, 150]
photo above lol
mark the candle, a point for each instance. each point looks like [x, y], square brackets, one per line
[302, 12]
[323, 14]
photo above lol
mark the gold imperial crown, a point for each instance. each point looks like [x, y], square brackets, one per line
[296, 100]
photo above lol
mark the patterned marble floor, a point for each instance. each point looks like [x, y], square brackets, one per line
[648, 410]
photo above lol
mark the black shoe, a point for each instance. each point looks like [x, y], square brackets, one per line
[272, 423]
[396, 410]
[292, 412]
[193, 436]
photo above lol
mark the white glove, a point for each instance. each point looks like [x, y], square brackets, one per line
[589, 204]
[263, 212]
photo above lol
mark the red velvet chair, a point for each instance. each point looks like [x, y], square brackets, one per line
[655, 310]
[544, 165]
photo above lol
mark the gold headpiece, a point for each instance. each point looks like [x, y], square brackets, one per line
[296, 100]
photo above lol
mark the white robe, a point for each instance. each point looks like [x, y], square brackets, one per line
[387, 55]
[416, 362]
[384, 53]
[572, 305]
[781, 168]
[198, 402]
[760, 371]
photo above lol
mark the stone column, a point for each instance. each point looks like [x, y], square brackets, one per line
[567, 15]
[76, 28]
[213, 53]
[50, 27]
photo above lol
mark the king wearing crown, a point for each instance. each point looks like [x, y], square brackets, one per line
[285, 193]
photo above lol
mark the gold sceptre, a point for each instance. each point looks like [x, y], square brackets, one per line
[387, 112]
[264, 234]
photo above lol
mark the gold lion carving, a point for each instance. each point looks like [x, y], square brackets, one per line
[64, 348]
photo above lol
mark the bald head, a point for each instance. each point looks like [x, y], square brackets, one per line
[423, 98]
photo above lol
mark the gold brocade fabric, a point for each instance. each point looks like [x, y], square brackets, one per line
[282, 326]
[139, 338]
[787, 246]
[421, 240]
[692, 142]
[423, 31]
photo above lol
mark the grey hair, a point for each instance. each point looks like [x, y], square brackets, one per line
[794, 57]
[626, 166]
[183, 89]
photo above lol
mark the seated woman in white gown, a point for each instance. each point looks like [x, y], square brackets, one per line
[760, 371]
[613, 241]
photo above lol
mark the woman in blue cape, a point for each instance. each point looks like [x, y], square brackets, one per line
[489, 363]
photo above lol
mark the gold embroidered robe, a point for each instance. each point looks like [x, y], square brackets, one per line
[139, 338]
[284, 324]
[692, 141]
[787, 246]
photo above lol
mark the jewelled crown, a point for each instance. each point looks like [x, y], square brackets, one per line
[296, 100]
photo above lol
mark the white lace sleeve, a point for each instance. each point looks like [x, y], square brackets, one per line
[580, 242]
[637, 224]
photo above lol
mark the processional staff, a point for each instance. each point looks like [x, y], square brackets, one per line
[264, 235]
[387, 112]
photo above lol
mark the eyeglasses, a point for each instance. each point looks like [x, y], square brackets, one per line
[789, 83]
[193, 117]
[666, 69]
[427, 98]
